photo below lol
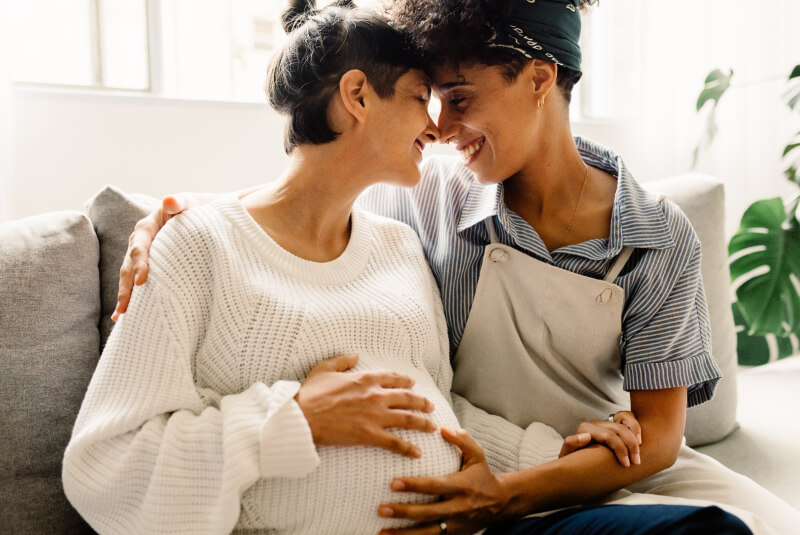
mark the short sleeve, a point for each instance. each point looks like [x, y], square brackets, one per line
[666, 339]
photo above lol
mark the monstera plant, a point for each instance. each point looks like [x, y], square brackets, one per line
[764, 253]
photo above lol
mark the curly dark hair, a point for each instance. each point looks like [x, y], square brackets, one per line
[324, 44]
[448, 30]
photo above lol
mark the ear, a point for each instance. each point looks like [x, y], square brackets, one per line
[543, 76]
[353, 89]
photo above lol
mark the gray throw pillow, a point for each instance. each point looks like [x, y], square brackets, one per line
[49, 347]
[114, 214]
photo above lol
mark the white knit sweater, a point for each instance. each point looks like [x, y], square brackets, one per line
[189, 424]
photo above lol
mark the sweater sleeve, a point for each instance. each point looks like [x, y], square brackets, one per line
[148, 454]
[508, 447]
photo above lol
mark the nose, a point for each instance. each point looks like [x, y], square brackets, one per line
[447, 127]
[431, 131]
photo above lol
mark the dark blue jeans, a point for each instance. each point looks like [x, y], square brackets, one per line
[628, 520]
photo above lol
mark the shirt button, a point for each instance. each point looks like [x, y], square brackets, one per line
[605, 296]
[498, 255]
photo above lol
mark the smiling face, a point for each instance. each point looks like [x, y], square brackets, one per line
[490, 120]
[401, 127]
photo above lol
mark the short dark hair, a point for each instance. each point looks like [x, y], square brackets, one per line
[448, 31]
[323, 45]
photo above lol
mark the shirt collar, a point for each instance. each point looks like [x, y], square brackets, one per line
[637, 219]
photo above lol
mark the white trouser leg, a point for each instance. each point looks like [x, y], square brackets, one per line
[699, 477]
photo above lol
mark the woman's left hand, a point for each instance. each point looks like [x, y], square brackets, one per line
[472, 498]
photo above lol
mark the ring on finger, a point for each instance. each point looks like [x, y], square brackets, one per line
[442, 528]
[611, 416]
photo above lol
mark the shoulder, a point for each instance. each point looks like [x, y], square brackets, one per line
[388, 231]
[680, 229]
[188, 243]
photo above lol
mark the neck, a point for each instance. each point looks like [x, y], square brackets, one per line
[550, 185]
[307, 210]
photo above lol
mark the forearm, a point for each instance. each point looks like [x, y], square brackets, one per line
[580, 477]
[593, 472]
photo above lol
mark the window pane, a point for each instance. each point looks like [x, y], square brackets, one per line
[52, 41]
[99, 43]
[220, 50]
[123, 41]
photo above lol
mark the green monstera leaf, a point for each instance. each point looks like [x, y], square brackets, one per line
[754, 350]
[715, 85]
[791, 155]
[764, 257]
[793, 94]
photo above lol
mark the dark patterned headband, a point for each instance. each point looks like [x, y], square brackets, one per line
[542, 29]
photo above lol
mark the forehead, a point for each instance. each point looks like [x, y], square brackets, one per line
[450, 76]
[414, 77]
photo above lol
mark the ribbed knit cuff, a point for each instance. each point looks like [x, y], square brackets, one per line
[287, 446]
[541, 444]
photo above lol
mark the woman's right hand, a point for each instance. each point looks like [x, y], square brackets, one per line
[357, 408]
[623, 436]
[134, 267]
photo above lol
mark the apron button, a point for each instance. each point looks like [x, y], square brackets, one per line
[605, 296]
[498, 255]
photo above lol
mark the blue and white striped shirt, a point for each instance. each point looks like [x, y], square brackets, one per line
[666, 339]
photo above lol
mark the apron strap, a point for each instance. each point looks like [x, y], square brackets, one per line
[489, 224]
[619, 263]
[623, 257]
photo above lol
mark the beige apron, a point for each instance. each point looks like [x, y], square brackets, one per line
[541, 343]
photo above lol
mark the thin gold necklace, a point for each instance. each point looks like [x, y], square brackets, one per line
[577, 206]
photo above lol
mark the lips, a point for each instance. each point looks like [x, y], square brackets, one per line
[420, 145]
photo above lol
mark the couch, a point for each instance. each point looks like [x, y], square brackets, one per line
[58, 282]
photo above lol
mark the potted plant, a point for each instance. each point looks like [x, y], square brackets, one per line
[764, 253]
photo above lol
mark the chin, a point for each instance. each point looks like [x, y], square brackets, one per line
[487, 177]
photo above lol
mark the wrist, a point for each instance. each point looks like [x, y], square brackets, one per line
[514, 507]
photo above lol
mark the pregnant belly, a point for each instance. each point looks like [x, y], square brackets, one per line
[343, 493]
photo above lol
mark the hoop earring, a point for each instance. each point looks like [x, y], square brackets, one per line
[539, 103]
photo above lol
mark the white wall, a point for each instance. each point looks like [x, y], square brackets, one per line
[6, 114]
[69, 144]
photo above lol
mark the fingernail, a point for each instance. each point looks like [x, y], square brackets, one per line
[398, 485]
[416, 452]
[625, 461]
[584, 437]
[385, 511]
[637, 458]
